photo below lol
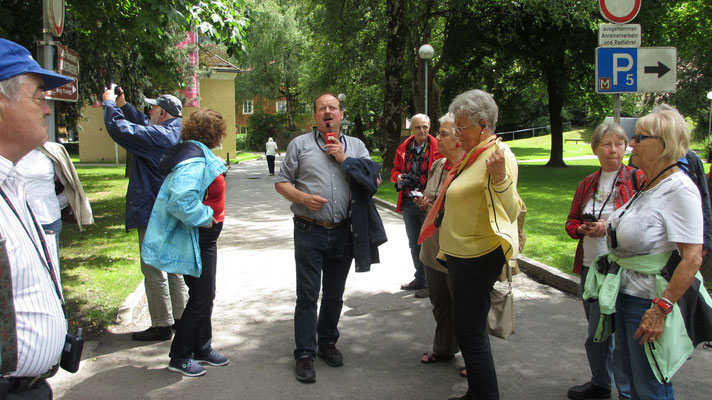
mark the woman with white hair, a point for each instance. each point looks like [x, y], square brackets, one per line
[439, 284]
[655, 245]
[270, 150]
[478, 231]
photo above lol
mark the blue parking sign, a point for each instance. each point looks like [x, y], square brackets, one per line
[616, 70]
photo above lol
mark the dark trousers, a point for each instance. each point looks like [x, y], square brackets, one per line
[17, 389]
[194, 332]
[472, 282]
[270, 164]
[413, 218]
[323, 258]
[440, 293]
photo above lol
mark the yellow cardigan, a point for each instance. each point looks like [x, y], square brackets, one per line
[479, 215]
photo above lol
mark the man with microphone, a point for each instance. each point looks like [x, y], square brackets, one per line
[317, 175]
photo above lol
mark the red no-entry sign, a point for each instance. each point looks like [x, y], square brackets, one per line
[619, 11]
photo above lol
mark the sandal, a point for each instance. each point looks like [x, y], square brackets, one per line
[431, 357]
[463, 372]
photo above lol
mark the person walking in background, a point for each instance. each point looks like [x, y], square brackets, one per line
[655, 243]
[479, 233]
[270, 150]
[439, 284]
[182, 234]
[147, 139]
[596, 197]
[32, 318]
[413, 159]
[321, 178]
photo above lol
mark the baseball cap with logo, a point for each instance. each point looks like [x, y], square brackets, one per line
[169, 103]
[16, 60]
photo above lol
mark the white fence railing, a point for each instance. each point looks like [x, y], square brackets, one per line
[533, 131]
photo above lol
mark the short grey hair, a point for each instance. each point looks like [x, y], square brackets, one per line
[603, 129]
[448, 118]
[476, 105]
[11, 86]
[421, 116]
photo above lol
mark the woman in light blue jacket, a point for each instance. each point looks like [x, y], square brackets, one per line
[182, 234]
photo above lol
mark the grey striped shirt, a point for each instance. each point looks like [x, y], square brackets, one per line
[41, 326]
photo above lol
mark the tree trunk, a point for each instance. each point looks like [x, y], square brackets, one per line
[292, 105]
[555, 88]
[392, 102]
[359, 131]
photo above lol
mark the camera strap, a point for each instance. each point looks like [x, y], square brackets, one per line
[46, 260]
[613, 188]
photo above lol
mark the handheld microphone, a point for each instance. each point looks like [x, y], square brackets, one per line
[328, 135]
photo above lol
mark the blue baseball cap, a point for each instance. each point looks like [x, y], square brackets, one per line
[16, 60]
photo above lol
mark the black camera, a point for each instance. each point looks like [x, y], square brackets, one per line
[408, 180]
[72, 351]
[589, 217]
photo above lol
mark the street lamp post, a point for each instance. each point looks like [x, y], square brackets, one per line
[426, 53]
[709, 127]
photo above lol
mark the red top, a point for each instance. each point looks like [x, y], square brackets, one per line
[215, 198]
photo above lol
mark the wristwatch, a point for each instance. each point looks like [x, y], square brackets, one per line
[663, 303]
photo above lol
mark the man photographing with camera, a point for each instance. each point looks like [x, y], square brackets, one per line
[413, 160]
[148, 138]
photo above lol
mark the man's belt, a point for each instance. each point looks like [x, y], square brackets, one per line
[12, 384]
[325, 224]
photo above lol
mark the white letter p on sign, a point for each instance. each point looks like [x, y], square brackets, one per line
[621, 68]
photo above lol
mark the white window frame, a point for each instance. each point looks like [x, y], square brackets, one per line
[247, 107]
[244, 130]
[283, 104]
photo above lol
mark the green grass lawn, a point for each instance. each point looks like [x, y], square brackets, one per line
[100, 265]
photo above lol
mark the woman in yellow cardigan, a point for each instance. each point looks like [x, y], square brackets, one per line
[478, 233]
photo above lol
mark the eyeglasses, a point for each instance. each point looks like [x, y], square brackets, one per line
[640, 138]
[457, 130]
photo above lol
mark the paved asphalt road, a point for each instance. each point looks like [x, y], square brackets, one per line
[383, 329]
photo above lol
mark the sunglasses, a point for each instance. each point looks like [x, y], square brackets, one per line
[640, 138]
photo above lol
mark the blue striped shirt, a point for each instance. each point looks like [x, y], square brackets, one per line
[41, 326]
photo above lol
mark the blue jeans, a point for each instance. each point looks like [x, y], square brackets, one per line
[413, 218]
[644, 385]
[603, 357]
[194, 332]
[323, 256]
[55, 227]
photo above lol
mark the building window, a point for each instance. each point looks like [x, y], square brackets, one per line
[281, 106]
[247, 107]
[244, 130]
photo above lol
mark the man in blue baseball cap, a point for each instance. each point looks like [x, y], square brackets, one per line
[32, 319]
[148, 138]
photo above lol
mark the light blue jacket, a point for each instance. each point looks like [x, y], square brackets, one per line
[171, 241]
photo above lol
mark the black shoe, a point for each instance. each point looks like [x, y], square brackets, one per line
[422, 293]
[154, 333]
[330, 354]
[412, 285]
[589, 391]
[305, 369]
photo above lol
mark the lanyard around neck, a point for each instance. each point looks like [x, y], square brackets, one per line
[613, 187]
[630, 203]
[46, 260]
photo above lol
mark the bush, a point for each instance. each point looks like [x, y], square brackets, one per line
[264, 126]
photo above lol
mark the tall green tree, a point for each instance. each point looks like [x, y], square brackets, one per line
[275, 56]
[547, 41]
[130, 42]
